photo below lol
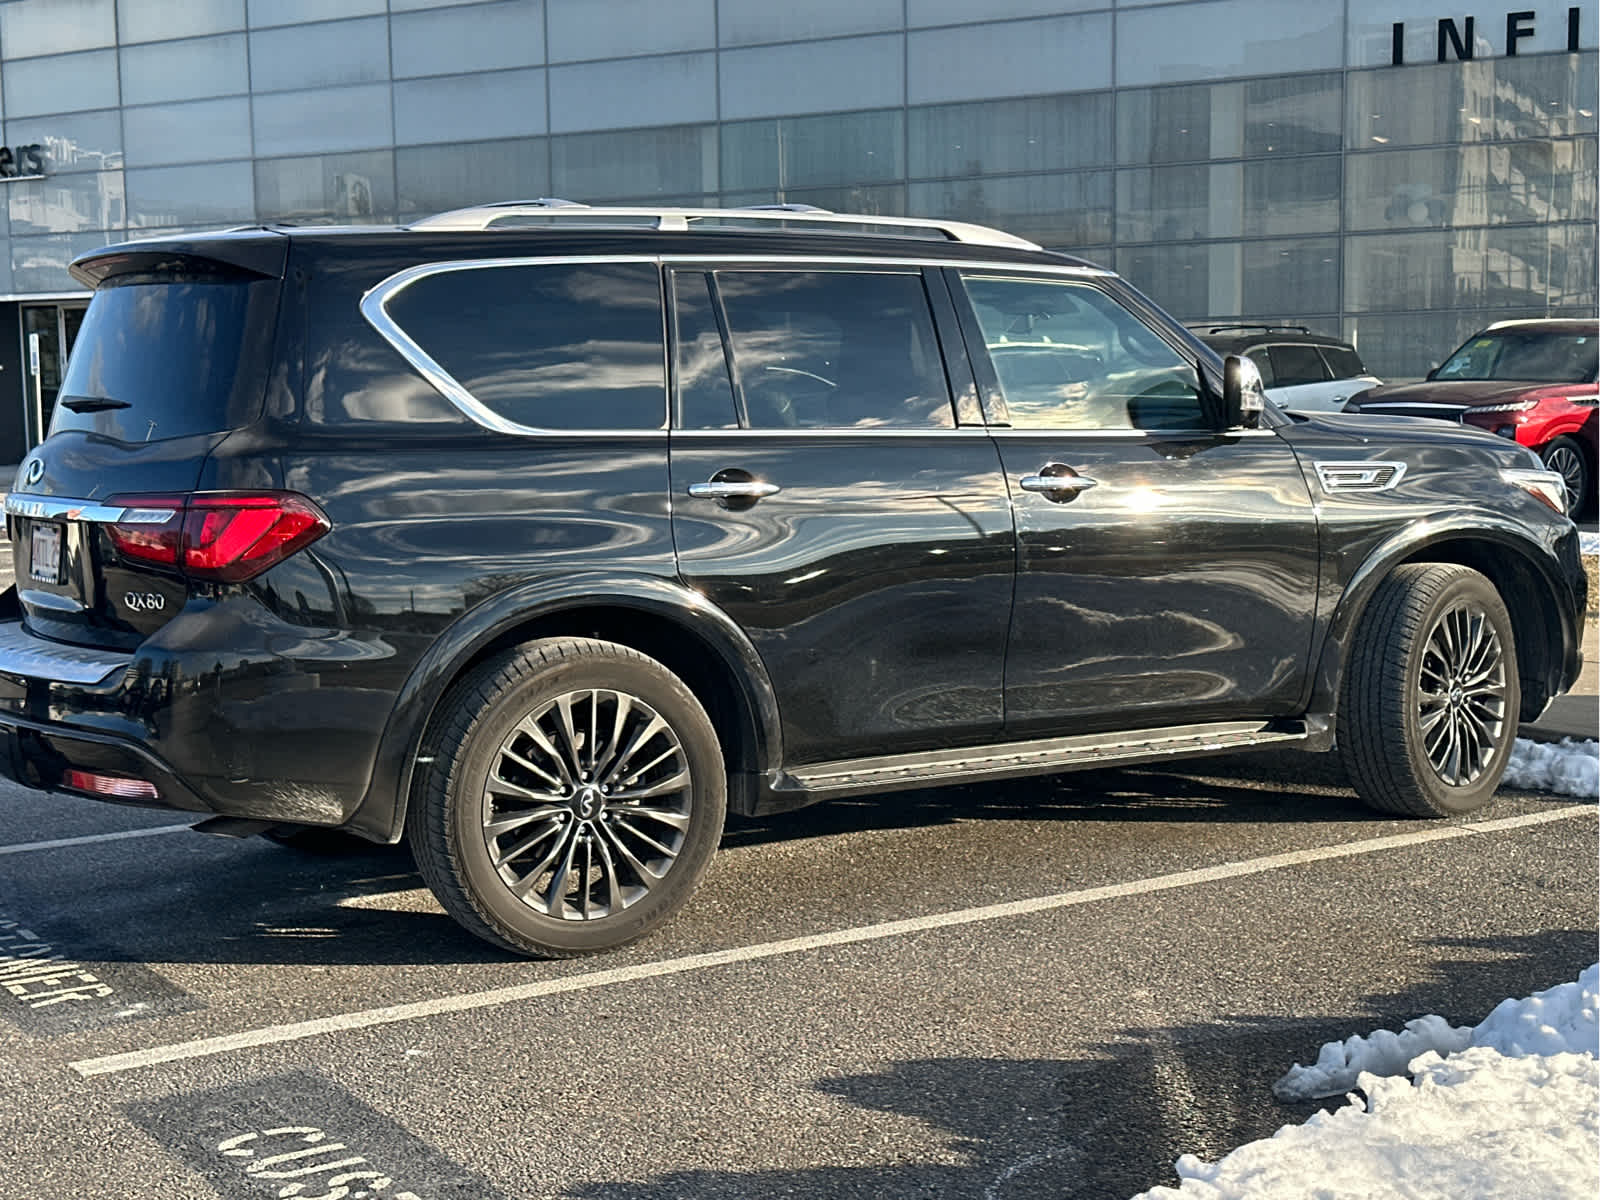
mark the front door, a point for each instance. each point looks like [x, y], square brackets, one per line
[826, 498]
[1166, 573]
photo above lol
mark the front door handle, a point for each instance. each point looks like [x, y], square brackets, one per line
[733, 489]
[1057, 481]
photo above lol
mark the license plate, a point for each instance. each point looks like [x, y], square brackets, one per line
[45, 562]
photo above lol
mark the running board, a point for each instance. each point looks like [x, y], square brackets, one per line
[1042, 756]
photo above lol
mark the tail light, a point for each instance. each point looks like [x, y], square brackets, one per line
[225, 537]
[117, 786]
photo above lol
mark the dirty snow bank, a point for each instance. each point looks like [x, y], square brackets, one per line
[1513, 1111]
[1568, 767]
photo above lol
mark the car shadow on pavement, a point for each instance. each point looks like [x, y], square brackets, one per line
[1110, 1125]
[1275, 788]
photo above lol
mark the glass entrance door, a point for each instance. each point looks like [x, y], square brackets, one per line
[48, 331]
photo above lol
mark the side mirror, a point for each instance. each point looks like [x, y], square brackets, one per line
[1433, 372]
[1243, 397]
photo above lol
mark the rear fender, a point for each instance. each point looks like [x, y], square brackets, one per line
[381, 815]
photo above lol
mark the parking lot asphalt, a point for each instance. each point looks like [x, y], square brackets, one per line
[1041, 988]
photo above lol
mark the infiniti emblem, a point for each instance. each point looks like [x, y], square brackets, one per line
[588, 803]
[144, 601]
[34, 471]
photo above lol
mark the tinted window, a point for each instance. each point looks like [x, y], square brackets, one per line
[555, 347]
[1263, 362]
[165, 360]
[705, 391]
[1534, 355]
[1068, 356]
[1294, 365]
[1344, 362]
[835, 349]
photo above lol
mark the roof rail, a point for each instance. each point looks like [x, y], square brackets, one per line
[679, 220]
[1255, 325]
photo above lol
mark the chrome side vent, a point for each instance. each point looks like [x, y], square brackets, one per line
[1337, 477]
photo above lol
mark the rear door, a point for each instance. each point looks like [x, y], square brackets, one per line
[1166, 572]
[172, 355]
[826, 496]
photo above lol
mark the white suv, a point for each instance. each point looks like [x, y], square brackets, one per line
[1302, 371]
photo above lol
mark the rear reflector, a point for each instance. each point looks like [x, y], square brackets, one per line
[119, 786]
[223, 536]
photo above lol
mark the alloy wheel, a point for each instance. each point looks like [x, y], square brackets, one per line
[1566, 462]
[587, 805]
[1461, 694]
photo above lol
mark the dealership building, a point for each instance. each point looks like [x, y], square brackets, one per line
[1399, 172]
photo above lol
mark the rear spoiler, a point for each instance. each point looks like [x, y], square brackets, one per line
[243, 254]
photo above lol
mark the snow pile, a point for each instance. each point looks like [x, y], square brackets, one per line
[1555, 1021]
[1381, 1053]
[1568, 767]
[1470, 1127]
[1514, 1111]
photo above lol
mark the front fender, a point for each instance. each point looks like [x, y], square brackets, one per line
[1548, 555]
[381, 814]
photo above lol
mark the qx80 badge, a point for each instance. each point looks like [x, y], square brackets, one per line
[144, 601]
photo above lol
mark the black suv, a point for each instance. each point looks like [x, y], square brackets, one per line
[543, 537]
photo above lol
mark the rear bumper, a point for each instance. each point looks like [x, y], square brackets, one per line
[37, 755]
[226, 711]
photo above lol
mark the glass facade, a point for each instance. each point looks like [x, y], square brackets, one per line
[1237, 159]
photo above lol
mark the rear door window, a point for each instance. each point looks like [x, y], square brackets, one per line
[1344, 362]
[156, 360]
[1296, 365]
[1263, 362]
[546, 346]
[835, 350]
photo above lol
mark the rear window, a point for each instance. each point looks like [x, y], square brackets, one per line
[1344, 362]
[158, 360]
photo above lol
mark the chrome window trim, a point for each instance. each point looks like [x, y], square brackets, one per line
[374, 307]
[1154, 435]
[840, 432]
[1384, 405]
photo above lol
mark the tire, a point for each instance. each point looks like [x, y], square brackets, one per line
[1429, 627]
[1566, 457]
[527, 851]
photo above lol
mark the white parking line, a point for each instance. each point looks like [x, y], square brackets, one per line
[27, 847]
[392, 1014]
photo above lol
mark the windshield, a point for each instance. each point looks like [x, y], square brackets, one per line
[157, 360]
[1537, 355]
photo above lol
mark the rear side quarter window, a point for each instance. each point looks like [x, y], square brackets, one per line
[558, 346]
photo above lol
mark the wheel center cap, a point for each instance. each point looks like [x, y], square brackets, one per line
[588, 803]
[1457, 696]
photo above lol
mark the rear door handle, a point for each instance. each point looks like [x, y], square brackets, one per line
[733, 489]
[1070, 483]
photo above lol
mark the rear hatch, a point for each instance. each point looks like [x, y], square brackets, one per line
[173, 354]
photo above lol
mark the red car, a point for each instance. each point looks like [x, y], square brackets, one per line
[1531, 381]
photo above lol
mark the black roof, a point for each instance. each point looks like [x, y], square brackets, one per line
[1234, 338]
[258, 248]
